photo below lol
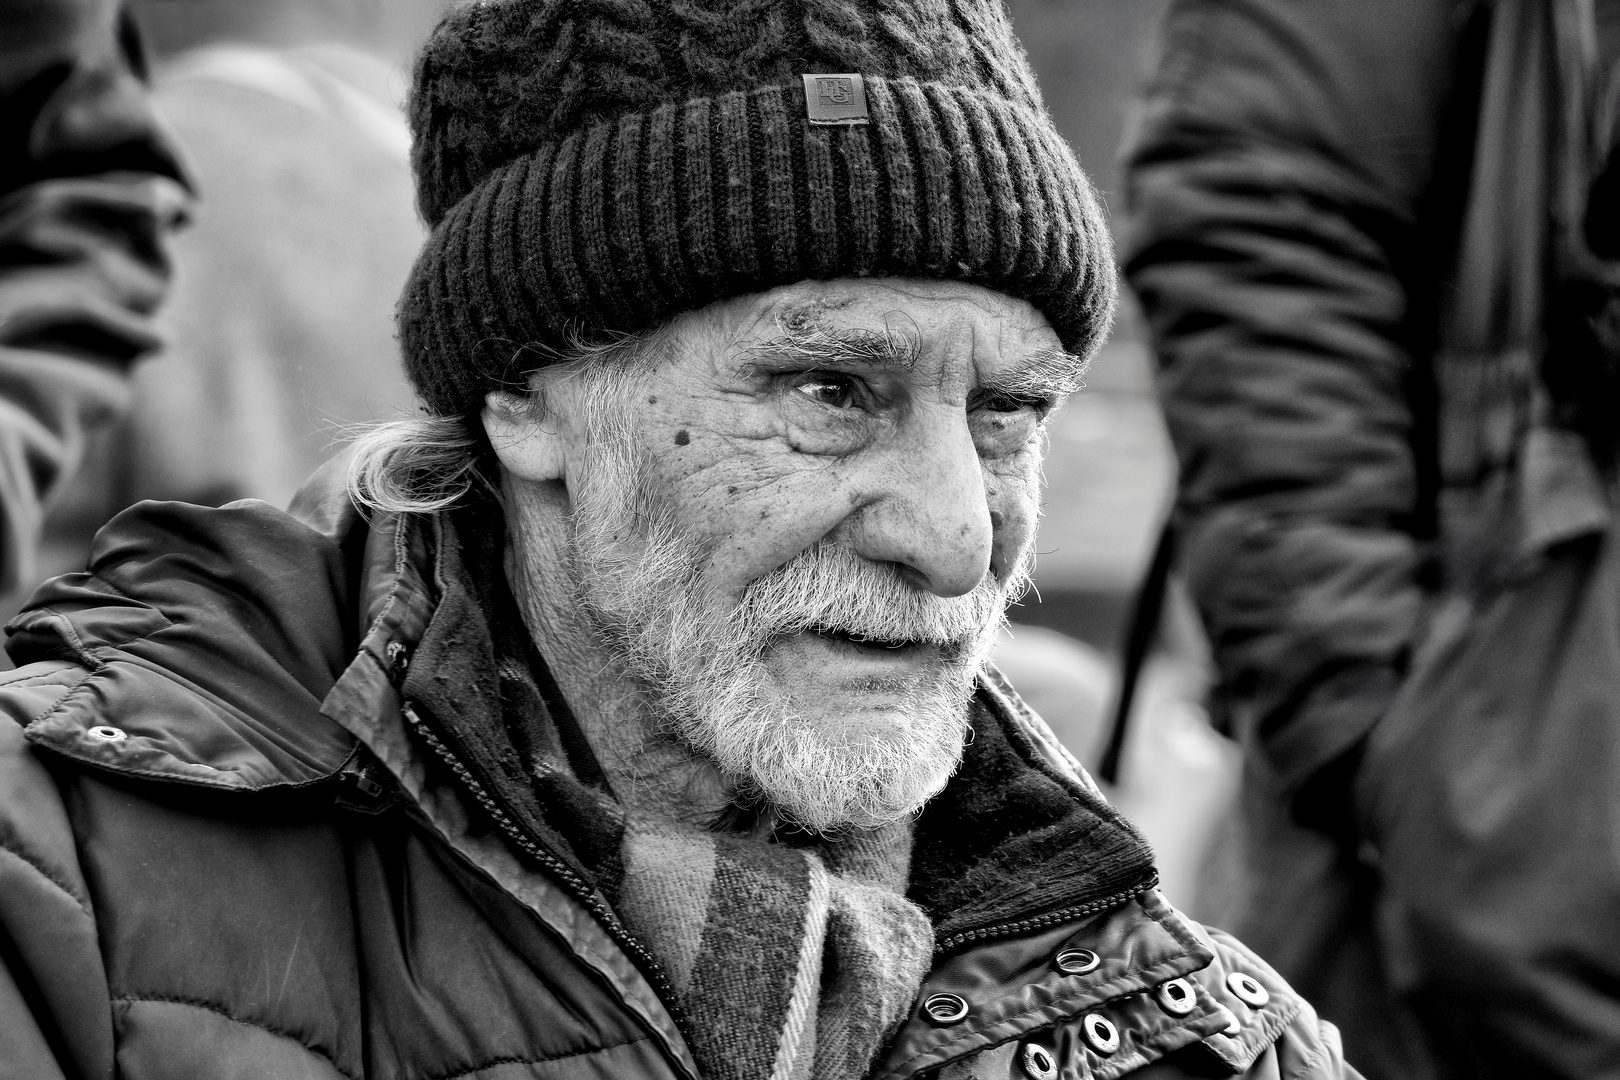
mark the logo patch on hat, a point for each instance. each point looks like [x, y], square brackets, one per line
[835, 99]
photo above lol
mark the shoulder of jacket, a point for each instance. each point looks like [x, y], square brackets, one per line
[1138, 992]
[29, 692]
[1271, 1030]
[46, 913]
[34, 829]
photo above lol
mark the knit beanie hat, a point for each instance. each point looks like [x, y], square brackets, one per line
[590, 168]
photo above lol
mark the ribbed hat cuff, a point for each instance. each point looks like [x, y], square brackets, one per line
[624, 224]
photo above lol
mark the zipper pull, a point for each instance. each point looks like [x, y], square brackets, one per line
[399, 662]
[363, 785]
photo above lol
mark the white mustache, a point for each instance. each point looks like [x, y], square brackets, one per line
[828, 587]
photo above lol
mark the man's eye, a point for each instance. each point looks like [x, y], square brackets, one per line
[837, 391]
[1004, 424]
[1006, 403]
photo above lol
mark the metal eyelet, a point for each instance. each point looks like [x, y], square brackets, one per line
[1176, 997]
[1247, 989]
[1076, 961]
[945, 1008]
[107, 733]
[1100, 1033]
[1039, 1063]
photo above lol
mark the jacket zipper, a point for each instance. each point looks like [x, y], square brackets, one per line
[593, 903]
[575, 884]
[1050, 918]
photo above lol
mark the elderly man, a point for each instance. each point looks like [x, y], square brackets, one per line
[627, 714]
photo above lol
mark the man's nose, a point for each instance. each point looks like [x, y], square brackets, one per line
[928, 511]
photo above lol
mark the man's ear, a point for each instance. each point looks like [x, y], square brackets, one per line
[530, 446]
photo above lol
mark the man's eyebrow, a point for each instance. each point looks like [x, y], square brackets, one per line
[1045, 373]
[838, 348]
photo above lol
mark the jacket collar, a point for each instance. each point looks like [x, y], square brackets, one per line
[221, 643]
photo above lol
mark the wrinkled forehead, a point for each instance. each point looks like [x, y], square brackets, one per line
[904, 324]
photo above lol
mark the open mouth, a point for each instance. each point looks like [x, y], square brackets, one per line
[867, 643]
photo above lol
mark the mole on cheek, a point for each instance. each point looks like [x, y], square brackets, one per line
[682, 438]
[652, 400]
[997, 519]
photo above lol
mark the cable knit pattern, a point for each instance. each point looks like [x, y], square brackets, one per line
[598, 166]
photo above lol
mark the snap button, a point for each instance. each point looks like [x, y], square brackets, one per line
[945, 1008]
[1039, 1063]
[1232, 1026]
[1176, 997]
[1076, 961]
[1100, 1033]
[1247, 990]
[105, 733]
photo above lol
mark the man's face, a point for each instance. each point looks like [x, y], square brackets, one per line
[805, 531]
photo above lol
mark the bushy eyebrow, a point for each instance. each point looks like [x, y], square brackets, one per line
[1045, 373]
[829, 348]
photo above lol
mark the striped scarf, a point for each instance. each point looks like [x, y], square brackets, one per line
[790, 963]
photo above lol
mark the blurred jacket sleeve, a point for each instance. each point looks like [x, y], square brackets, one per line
[90, 189]
[1276, 185]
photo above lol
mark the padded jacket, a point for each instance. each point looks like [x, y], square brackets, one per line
[232, 844]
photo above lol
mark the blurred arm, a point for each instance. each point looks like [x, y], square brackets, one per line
[1277, 239]
[89, 191]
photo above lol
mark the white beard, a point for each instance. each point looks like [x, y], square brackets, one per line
[639, 579]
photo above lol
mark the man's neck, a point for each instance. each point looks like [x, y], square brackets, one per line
[651, 773]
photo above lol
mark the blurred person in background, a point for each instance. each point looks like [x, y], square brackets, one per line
[279, 329]
[1376, 243]
[90, 191]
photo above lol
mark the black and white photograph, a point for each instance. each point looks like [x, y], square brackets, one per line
[809, 539]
